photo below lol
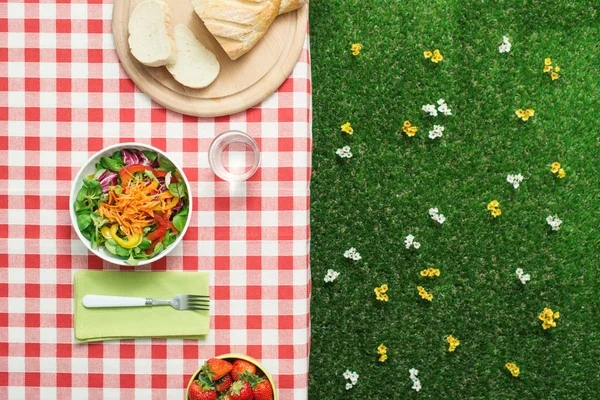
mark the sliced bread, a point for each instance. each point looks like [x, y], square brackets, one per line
[237, 24]
[195, 66]
[151, 33]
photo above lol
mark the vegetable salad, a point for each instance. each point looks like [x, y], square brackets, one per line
[135, 205]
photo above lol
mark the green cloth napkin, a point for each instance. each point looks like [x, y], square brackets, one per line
[93, 324]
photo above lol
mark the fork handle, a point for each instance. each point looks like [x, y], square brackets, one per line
[97, 301]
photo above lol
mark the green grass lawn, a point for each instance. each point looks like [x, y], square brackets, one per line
[375, 199]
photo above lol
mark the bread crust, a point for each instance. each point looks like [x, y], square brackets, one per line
[290, 5]
[237, 24]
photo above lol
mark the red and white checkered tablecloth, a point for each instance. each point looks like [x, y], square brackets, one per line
[64, 96]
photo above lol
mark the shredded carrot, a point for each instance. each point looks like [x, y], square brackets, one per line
[133, 208]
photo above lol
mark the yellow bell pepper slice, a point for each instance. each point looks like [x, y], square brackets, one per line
[105, 231]
[133, 241]
[153, 185]
[172, 204]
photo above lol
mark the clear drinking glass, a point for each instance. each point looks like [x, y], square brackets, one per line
[234, 156]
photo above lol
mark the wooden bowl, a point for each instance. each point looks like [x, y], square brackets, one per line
[231, 358]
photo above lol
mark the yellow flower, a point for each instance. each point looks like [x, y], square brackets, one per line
[555, 167]
[356, 48]
[423, 293]
[379, 293]
[496, 213]
[411, 131]
[437, 57]
[453, 343]
[548, 317]
[528, 113]
[554, 76]
[514, 370]
[547, 68]
[548, 61]
[427, 54]
[557, 69]
[431, 272]
[381, 349]
[493, 204]
[561, 173]
[525, 114]
[383, 357]
[347, 128]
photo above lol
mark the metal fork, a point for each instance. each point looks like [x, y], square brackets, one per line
[194, 302]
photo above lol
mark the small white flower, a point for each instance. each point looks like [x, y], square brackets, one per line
[443, 108]
[439, 218]
[524, 278]
[505, 46]
[331, 275]
[430, 109]
[408, 241]
[413, 377]
[435, 215]
[416, 385]
[438, 131]
[344, 152]
[353, 376]
[441, 101]
[515, 180]
[554, 222]
[352, 254]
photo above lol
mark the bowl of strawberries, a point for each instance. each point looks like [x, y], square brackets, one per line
[231, 377]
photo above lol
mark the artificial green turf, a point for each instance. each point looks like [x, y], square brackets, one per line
[373, 200]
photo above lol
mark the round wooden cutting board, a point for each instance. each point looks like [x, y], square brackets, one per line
[241, 84]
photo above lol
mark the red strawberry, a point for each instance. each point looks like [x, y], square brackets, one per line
[215, 368]
[224, 383]
[239, 390]
[199, 390]
[263, 390]
[261, 387]
[241, 366]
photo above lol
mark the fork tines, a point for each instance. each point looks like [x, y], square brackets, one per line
[198, 302]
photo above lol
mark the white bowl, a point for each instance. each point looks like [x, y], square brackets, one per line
[89, 168]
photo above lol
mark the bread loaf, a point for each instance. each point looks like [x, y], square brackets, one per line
[151, 33]
[195, 67]
[237, 24]
[290, 5]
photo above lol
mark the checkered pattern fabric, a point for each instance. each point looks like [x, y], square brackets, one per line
[64, 96]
